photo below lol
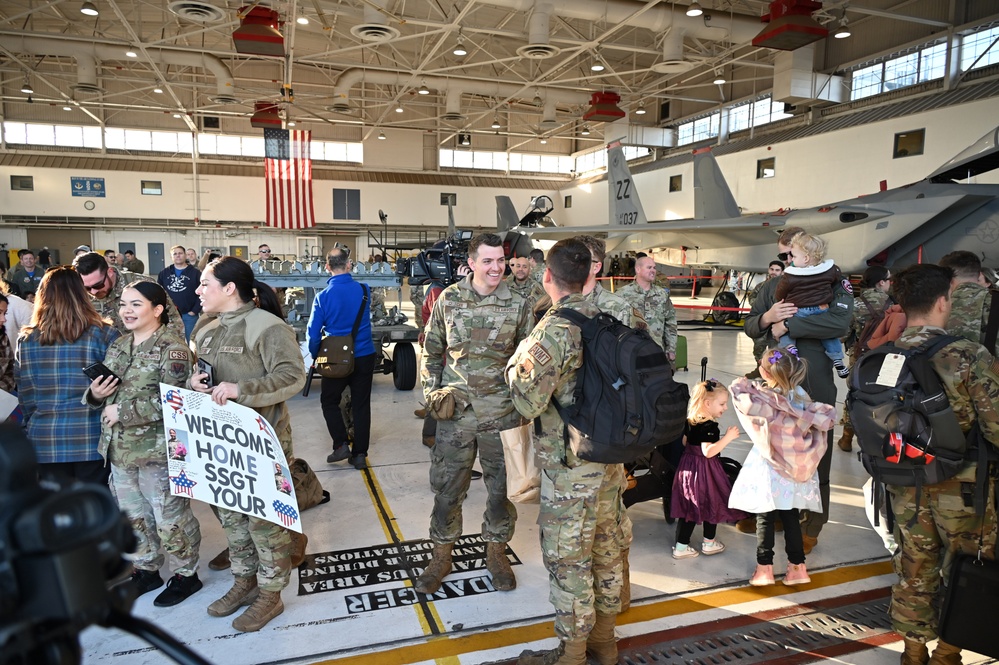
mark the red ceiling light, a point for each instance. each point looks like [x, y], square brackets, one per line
[790, 25]
[604, 108]
[258, 32]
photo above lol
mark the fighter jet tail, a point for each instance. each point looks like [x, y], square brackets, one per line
[712, 197]
[506, 214]
[625, 206]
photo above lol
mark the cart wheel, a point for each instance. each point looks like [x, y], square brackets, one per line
[404, 359]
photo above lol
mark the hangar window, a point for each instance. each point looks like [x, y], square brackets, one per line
[347, 204]
[979, 49]
[151, 187]
[567, 202]
[22, 183]
[766, 168]
[676, 183]
[909, 143]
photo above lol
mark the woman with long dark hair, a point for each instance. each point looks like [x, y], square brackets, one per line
[256, 362]
[65, 335]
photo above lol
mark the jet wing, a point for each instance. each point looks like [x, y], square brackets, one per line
[656, 229]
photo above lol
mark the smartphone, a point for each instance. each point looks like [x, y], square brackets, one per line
[205, 367]
[98, 370]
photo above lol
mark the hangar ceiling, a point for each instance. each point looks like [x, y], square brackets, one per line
[354, 68]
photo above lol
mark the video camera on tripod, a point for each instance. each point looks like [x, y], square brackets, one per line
[438, 263]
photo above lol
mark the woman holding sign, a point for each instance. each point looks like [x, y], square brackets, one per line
[255, 361]
[132, 438]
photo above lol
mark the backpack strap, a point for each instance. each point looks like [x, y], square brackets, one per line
[867, 304]
[992, 327]
[360, 312]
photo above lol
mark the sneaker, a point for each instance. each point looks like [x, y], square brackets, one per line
[359, 461]
[146, 580]
[710, 547]
[339, 454]
[764, 575]
[178, 589]
[796, 574]
[842, 371]
[681, 551]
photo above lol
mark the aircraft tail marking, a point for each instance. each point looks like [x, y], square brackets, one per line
[625, 206]
[712, 197]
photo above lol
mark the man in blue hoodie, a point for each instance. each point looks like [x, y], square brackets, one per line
[334, 312]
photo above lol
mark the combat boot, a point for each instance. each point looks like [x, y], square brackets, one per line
[845, 442]
[267, 606]
[572, 652]
[601, 645]
[438, 568]
[914, 653]
[499, 567]
[243, 592]
[299, 541]
[945, 654]
[625, 581]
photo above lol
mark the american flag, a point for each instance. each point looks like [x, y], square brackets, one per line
[287, 513]
[288, 167]
[183, 484]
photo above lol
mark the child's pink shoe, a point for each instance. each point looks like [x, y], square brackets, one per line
[764, 576]
[796, 574]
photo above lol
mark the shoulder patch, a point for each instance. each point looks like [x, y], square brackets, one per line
[177, 370]
[179, 355]
[538, 353]
[847, 285]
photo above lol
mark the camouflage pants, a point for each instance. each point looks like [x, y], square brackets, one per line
[258, 547]
[451, 459]
[416, 296]
[378, 303]
[943, 527]
[157, 518]
[581, 529]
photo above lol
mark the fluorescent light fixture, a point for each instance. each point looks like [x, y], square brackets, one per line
[291, 123]
[597, 66]
[424, 90]
[89, 8]
[543, 140]
[496, 123]
[586, 130]
[641, 109]
[843, 32]
[694, 9]
[399, 109]
[158, 89]
[459, 49]
[381, 136]
[26, 88]
[302, 20]
[131, 52]
[719, 79]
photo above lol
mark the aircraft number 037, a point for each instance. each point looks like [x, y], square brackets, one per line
[625, 218]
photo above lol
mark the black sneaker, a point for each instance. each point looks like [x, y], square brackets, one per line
[146, 580]
[339, 454]
[179, 589]
[476, 474]
[360, 461]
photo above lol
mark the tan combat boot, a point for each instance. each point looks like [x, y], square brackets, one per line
[499, 567]
[945, 654]
[438, 568]
[572, 652]
[299, 541]
[625, 581]
[915, 653]
[845, 442]
[267, 606]
[243, 592]
[601, 645]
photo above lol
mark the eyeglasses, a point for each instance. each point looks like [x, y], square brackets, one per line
[94, 288]
[783, 256]
[263, 251]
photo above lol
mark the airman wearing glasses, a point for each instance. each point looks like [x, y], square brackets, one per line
[104, 284]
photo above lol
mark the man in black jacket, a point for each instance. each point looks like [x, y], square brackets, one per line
[181, 281]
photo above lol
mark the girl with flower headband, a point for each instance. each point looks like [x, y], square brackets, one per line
[700, 487]
[780, 474]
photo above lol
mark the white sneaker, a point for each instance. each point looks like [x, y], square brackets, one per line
[710, 547]
[687, 552]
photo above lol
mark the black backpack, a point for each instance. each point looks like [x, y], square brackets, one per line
[908, 433]
[626, 402]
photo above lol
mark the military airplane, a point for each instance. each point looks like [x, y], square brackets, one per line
[896, 227]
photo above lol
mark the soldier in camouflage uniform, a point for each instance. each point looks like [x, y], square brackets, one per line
[582, 512]
[654, 303]
[105, 284]
[416, 296]
[473, 330]
[970, 299]
[872, 301]
[934, 523]
[523, 283]
[537, 260]
[132, 437]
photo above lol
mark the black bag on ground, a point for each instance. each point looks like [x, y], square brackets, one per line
[626, 402]
[973, 587]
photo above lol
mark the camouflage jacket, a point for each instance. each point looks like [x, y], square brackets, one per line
[469, 339]
[658, 310]
[969, 311]
[107, 306]
[530, 290]
[970, 376]
[618, 307]
[259, 353]
[136, 266]
[137, 438]
[545, 366]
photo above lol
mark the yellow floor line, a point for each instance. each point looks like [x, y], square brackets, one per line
[445, 647]
[390, 525]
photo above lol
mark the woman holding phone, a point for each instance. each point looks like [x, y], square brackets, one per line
[132, 438]
[65, 335]
[256, 362]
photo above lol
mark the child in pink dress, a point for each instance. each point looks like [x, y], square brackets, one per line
[780, 474]
[700, 486]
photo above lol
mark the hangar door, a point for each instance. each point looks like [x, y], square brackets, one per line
[61, 242]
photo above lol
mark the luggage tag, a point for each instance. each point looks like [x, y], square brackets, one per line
[891, 367]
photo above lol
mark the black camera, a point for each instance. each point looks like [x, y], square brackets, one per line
[439, 263]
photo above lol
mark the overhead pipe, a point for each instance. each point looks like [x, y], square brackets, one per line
[375, 25]
[539, 32]
[88, 54]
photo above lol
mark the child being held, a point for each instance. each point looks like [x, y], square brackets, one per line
[780, 475]
[700, 486]
[808, 283]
